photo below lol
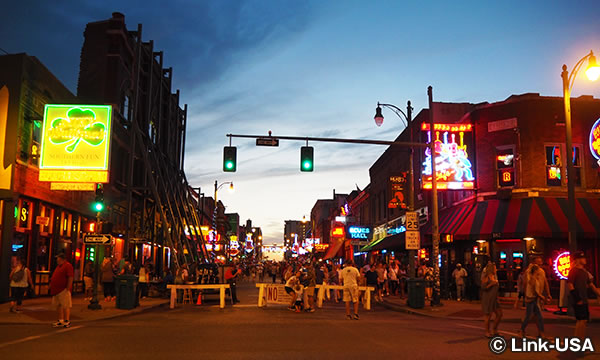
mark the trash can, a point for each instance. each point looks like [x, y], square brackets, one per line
[126, 288]
[416, 293]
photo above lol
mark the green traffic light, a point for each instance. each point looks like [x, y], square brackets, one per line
[307, 165]
[229, 165]
[98, 206]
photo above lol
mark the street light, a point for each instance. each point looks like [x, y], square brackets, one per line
[407, 117]
[592, 72]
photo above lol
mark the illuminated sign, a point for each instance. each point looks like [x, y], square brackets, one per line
[321, 247]
[395, 230]
[75, 143]
[562, 265]
[359, 232]
[595, 140]
[452, 143]
[338, 232]
[397, 188]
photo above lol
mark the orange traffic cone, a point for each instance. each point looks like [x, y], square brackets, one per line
[199, 302]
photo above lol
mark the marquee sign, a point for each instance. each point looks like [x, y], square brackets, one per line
[359, 232]
[562, 265]
[75, 143]
[595, 141]
[454, 169]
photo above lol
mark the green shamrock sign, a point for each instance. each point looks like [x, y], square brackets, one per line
[79, 125]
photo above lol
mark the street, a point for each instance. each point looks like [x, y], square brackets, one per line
[247, 332]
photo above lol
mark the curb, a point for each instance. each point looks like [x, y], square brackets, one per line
[408, 310]
[135, 311]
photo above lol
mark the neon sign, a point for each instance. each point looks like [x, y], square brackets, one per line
[595, 140]
[338, 231]
[75, 143]
[453, 166]
[359, 232]
[562, 265]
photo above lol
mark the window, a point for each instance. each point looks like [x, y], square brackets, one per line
[125, 108]
[553, 165]
[577, 164]
[505, 167]
[36, 140]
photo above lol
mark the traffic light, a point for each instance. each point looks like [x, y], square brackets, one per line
[229, 158]
[306, 158]
[98, 204]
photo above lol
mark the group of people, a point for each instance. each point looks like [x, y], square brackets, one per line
[536, 292]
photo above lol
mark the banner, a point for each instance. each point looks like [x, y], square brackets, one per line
[275, 294]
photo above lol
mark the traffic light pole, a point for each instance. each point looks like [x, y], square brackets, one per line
[94, 304]
[336, 140]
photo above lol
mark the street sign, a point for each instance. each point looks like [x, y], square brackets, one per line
[97, 238]
[413, 240]
[412, 221]
[267, 141]
[359, 242]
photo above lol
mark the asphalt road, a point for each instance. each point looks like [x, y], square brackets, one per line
[247, 332]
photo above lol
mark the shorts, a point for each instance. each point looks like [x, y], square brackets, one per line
[310, 291]
[289, 290]
[17, 294]
[351, 293]
[582, 312]
[298, 303]
[89, 282]
[62, 299]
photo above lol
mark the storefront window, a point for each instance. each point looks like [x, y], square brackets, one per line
[20, 246]
[553, 165]
[505, 165]
[43, 254]
[24, 214]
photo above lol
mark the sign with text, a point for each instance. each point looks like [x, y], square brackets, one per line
[267, 141]
[412, 221]
[75, 142]
[453, 147]
[97, 238]
[275, 294]
[413, 240]
[359, 232]
[397, 189]
[595, 140]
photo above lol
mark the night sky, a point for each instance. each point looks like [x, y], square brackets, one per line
[318, 68]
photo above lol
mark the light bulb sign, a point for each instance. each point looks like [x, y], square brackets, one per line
[453, 144]
[562, 265]
[75, 143]
[595, 140]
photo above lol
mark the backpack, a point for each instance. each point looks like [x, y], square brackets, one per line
[18, 275]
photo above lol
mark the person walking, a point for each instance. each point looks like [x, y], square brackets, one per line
[61, 285]
[459, 274]
[88, 280]
[371, 276]
[20, 280]
[350, 279]
[489, 299]
[579, 281]
[108, 279]
[520, 290]
[144, 279]
[311, 280]
[231, 276]
[537, 292]
[393, 272]
[290, 284]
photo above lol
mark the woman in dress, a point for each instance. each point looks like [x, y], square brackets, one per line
[489, 299]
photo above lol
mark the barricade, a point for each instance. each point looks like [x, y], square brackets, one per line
[220, 287]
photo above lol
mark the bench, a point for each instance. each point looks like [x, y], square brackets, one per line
[220, 287]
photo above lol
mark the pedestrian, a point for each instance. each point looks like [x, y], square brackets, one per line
[273, 272]
[61, 285]
[334, 279]
[311, 280]
[489, 299]
[350, 280]
[127, 268]
[379, 269]
[20, 280]
[393, 272]
[144, 279]
[459, 274]
[88, 280]
[299, 291]
[290, 284]
[520, 290]
[537, 292]
[371, 276]
[108, 279]
[403, 277]
[579, 281]
[231, 276]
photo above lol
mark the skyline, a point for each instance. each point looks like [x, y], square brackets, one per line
[312, 69]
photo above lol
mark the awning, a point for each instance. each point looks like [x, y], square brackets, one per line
[518, 218]
[333, 248]
[392, 242]
[451, 219]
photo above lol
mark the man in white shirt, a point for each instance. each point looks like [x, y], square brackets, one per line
[350, 277]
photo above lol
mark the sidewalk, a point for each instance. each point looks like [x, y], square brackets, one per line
[39, 310]
[471, 311]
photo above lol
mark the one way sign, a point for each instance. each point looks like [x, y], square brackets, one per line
[97, 238]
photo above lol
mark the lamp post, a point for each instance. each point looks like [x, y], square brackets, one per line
[411, 185]
[217, 187]
[592, 72]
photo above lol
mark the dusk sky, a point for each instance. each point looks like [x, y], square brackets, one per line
[317, 68]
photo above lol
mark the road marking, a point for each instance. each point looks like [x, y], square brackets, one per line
[29, 338]
[481, 328]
